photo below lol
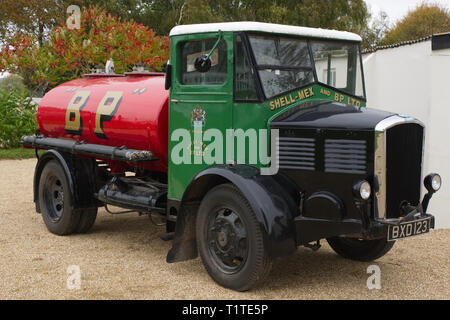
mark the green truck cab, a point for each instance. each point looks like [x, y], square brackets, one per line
[270, 147]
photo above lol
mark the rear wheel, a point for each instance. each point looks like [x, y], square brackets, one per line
[360, 250]
[55, 200]
[230, 240]
[87, 219]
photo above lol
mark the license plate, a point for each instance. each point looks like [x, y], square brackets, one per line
[409, 229]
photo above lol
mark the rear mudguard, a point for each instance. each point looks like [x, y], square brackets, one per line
[79, 173]
[274, 200]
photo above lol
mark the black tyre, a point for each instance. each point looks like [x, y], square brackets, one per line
[87, 219]
[55, 200]
[360, 250]
[230, 240]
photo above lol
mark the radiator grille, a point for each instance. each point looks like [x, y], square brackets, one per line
[297, 153]
[404, 145]
[345, 156]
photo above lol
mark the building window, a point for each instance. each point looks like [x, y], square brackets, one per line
[332, 76]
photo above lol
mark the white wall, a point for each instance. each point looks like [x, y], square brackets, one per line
[439, 132]
[414, 80]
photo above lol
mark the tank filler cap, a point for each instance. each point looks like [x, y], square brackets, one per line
[109, 68]
[141, 70]
[99, 72]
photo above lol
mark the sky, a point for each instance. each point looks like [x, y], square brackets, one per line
[397, 9]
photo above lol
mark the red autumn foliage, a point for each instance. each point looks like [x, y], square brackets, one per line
[68, 54]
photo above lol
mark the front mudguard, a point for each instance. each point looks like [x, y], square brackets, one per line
[274, 200]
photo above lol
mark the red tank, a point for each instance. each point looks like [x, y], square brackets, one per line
[129, 111]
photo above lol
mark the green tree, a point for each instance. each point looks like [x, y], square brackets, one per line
[351, 15]
[12, 82]
[35, 17]
[198, 11]
[373, 35]
[17, 117]
[126, 9]
[163, 15]
[39, 16]
[424, 20]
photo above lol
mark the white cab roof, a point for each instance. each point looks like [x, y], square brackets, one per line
[264, 27]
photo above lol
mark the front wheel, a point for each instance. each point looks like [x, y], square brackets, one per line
[230, 240]
[360, 250]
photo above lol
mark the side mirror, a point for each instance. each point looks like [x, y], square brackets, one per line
[168, 82]
[202, 63]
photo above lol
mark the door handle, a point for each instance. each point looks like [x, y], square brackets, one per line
[174, 100]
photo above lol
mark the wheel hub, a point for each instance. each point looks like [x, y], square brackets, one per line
[222, 238]
[227, 240]
[54, 197]
[58, 197]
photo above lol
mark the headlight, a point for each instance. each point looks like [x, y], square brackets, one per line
[362, 190]
[433, 182]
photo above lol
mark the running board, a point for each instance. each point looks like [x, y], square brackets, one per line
[88, 149]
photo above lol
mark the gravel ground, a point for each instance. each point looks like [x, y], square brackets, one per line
[123, 258]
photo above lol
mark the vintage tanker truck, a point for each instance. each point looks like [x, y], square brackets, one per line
[336, 170]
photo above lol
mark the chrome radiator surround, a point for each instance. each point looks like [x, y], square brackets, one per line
[380, 156]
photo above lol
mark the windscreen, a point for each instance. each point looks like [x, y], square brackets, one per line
[285, 63]
[338, 65]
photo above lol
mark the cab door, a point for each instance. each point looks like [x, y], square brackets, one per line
[198, 101]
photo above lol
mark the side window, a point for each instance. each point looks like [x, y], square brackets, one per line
[244, 81]
[190, 50]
